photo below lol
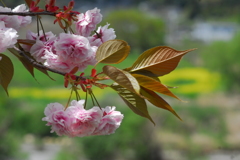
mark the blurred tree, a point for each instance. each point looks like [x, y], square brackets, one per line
[224, 57]
[138, 29]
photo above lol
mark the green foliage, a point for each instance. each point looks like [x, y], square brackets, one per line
[224, 57]
[137, 28]
[10, 138]
[201, 120]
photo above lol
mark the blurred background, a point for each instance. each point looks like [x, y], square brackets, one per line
[207, 78]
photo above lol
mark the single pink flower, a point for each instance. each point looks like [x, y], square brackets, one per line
[41, 49]
[87, 22]
[104, 34]
[8, 37]
[82, 122]
[110, 121]
[56, 118]
[73, 50]
[40, 38]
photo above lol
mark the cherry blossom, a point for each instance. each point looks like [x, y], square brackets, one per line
[82, 122]
[76, 121]
[87, 22]
[8, 37]
[104, 34]
[73, 50]
[110, 121]
[56, 118]
[43, 45]
[15, 21]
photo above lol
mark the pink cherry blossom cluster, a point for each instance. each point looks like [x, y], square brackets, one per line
[68, 50]
[9, 25]
[75, 121]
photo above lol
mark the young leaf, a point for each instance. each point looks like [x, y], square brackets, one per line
[28, 2]
[44, 71]
[6, 71]
[133, 101]
[112, 52]
[26, 42]
[158, 101]
[25, 62]
[123, 78]
[159, 60]
[153, 85]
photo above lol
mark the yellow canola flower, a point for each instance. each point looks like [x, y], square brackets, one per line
[49, 93]
[192, 80]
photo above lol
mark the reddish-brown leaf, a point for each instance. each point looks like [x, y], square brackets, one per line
[133, 101]
[159, 60]
[153, 85]
[26, 42]
[123, 78]
[6, 71]
[25, 62]
[158, 101]
[112, 52]
[28, 2]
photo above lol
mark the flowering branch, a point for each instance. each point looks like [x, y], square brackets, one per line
[38, 65]
[71, 52]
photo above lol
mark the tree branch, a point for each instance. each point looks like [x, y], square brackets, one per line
[28, 13]
[38, 65]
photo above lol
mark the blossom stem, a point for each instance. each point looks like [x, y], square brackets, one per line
[85, 104]
[77, 94]
[40, 22]
[95, 100]
[28, 13]
[68, 99]
[90, 92]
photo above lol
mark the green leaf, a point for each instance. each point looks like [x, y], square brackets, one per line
[158, 101]
[6, 71]
[159, 60]
[123, 78]
[133, 101]
[112, 52]
[153, 85]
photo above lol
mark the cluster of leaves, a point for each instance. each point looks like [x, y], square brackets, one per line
[140, 82]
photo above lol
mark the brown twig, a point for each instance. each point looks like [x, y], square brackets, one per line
[28, 13]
